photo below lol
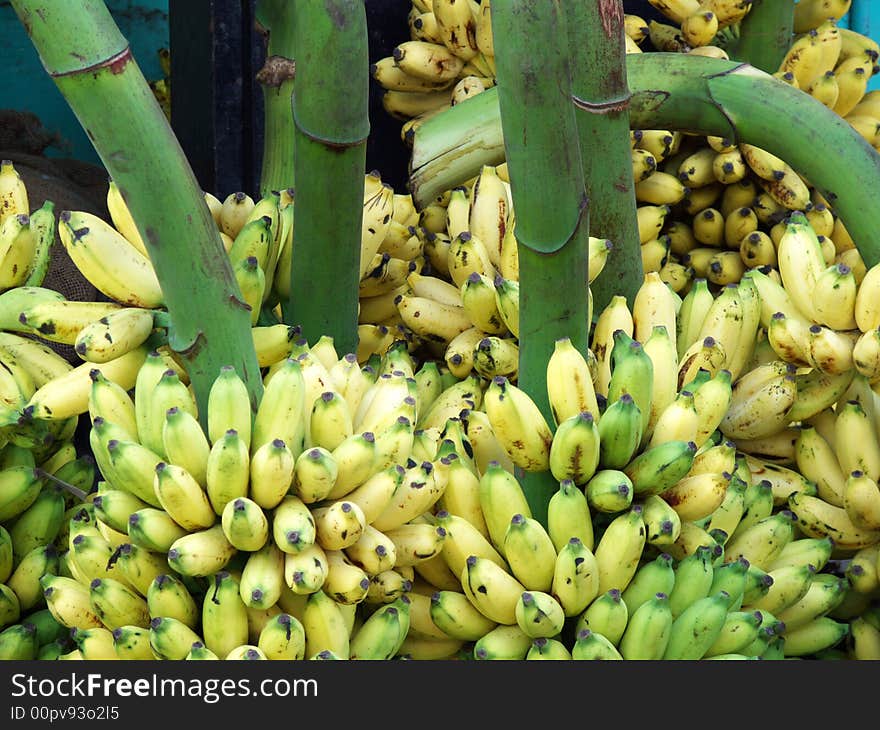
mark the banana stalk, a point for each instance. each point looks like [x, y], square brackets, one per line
[705, 96]
[84, 52]
[331, 119]
[276, 77]
[764, 34]
[549, 196]
[601, 97]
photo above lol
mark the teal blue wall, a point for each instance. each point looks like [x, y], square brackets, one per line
[26, 86]
[864, 17]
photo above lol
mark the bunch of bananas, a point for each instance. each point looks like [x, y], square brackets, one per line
[449, 57]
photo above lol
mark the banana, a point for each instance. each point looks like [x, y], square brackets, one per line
[619, 549]
[201, 553]
[117, 605]
[282, 638]
[821, 633]
[658, 468]
[830, 350]
[378, 203]
[609, 491]
[13, 192]
[616, 315]
[855, 439]
[539, 615]
[518, 423]
[731, 577]
[817, 461]
[570, 388]
[169, 596]
[661, 349]
[861, 500]
[759, 409]
[420, 488]
[576, 448]
[18, 245]
[132, 642]
[390, 76]
[503, 642]
[679, 421]
[761, 542]
[69, 602]
[758, 503]
[382, 633]
[121, 217]
[39, 359]
[182, 497]
[224, 615]
[68, 395]
[262, 577]
[697, 627]
[305, 571]
[706, 354]
[619, 432]
[494, 356]
[427, 60]
[590, 645]
[244, 524]
[530, 553]
[492, 590]
[171, 639]
[853, 76]
[106, 258]
[20, 486]
[865, 639]
[659, 188]
[489, 212]
[463, 540]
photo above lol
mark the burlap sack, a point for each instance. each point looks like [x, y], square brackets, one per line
[70, 184]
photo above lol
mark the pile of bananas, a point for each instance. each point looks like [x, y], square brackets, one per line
[707, 207]
[373, 512]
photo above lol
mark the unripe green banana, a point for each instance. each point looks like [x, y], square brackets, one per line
[171, 639]
[40, 523]
[821, 633]
[591, 646]
[825, 593]
[693, 579]
[454, 614]
[731, 577]
[619, 432]
[549, 649]
[632, 372]
[697, 627]
[227, 470]
[381, 634]
[739, 631]
[757, 583]
[606, 615]
[609, 491]
[648, 629]
[758, 503]
[651, 577]
[657, 468]
[153, 529]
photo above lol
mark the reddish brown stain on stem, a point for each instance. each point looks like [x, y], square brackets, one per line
[611, 13]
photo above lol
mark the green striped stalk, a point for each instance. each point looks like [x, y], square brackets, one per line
[601, 96]
[276, 77]
[549, 196]
[331, 118]
[90, 61]
[765, 34]
[692, 93]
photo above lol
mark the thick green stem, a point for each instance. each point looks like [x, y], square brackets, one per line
[276, 78]
[549, 195]
[697, 94]
[83, 50]
[331, 118]
[601, 95]
[765, 34]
